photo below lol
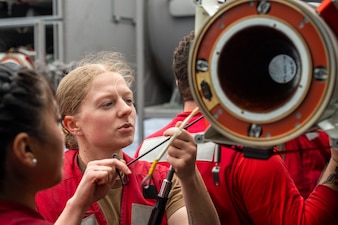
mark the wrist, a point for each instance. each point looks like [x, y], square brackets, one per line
[334, 160]
[189, 180]
[75, 203]
[194, 181]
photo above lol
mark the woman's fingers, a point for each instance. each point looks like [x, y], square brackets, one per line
[104, 171]
[182, 152]
[112, 163]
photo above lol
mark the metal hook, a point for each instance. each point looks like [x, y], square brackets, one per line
[123, 178]
[146, 181]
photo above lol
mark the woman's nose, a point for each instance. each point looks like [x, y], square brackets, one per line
[124, 108]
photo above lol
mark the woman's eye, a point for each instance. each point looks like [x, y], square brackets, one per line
[107, 104]
[129, 101]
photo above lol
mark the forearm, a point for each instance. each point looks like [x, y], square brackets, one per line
[200, 208]
[330, 176]
[72, 214]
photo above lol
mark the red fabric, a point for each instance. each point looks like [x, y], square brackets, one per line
[329, 12]
[51, 202]
[12, 213]
[306, 166]
[254, 191]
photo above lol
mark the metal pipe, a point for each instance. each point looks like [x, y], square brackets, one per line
[140, 70]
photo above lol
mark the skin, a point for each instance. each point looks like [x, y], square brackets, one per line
[34, 176]
[182, 155]
[99, 177]
[106, 122]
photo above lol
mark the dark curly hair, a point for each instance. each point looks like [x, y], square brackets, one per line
[180, 66]
[24, 97]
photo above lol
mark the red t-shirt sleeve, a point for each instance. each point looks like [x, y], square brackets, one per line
[270, 196]
[322, 206]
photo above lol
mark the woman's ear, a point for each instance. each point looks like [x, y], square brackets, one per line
[70, 125]
[23, 149]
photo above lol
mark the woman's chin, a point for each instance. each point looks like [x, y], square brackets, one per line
[127, 142]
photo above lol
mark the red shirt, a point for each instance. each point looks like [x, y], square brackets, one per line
[52, 201]
[13, 213]
[306, 164]
[253, 191]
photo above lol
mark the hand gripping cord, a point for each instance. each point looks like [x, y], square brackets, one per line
[147, 179]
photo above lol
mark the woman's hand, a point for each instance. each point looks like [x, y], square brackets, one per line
[182, 152]
[198, 204]
[98, 178]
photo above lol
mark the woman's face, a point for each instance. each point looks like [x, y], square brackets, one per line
[107, 114]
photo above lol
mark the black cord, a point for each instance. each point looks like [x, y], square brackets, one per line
[266, 153]
[164, 141]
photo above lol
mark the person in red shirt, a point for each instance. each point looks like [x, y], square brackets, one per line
[305, 157]
[99, 121]
[246, 190]
[31, 151]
